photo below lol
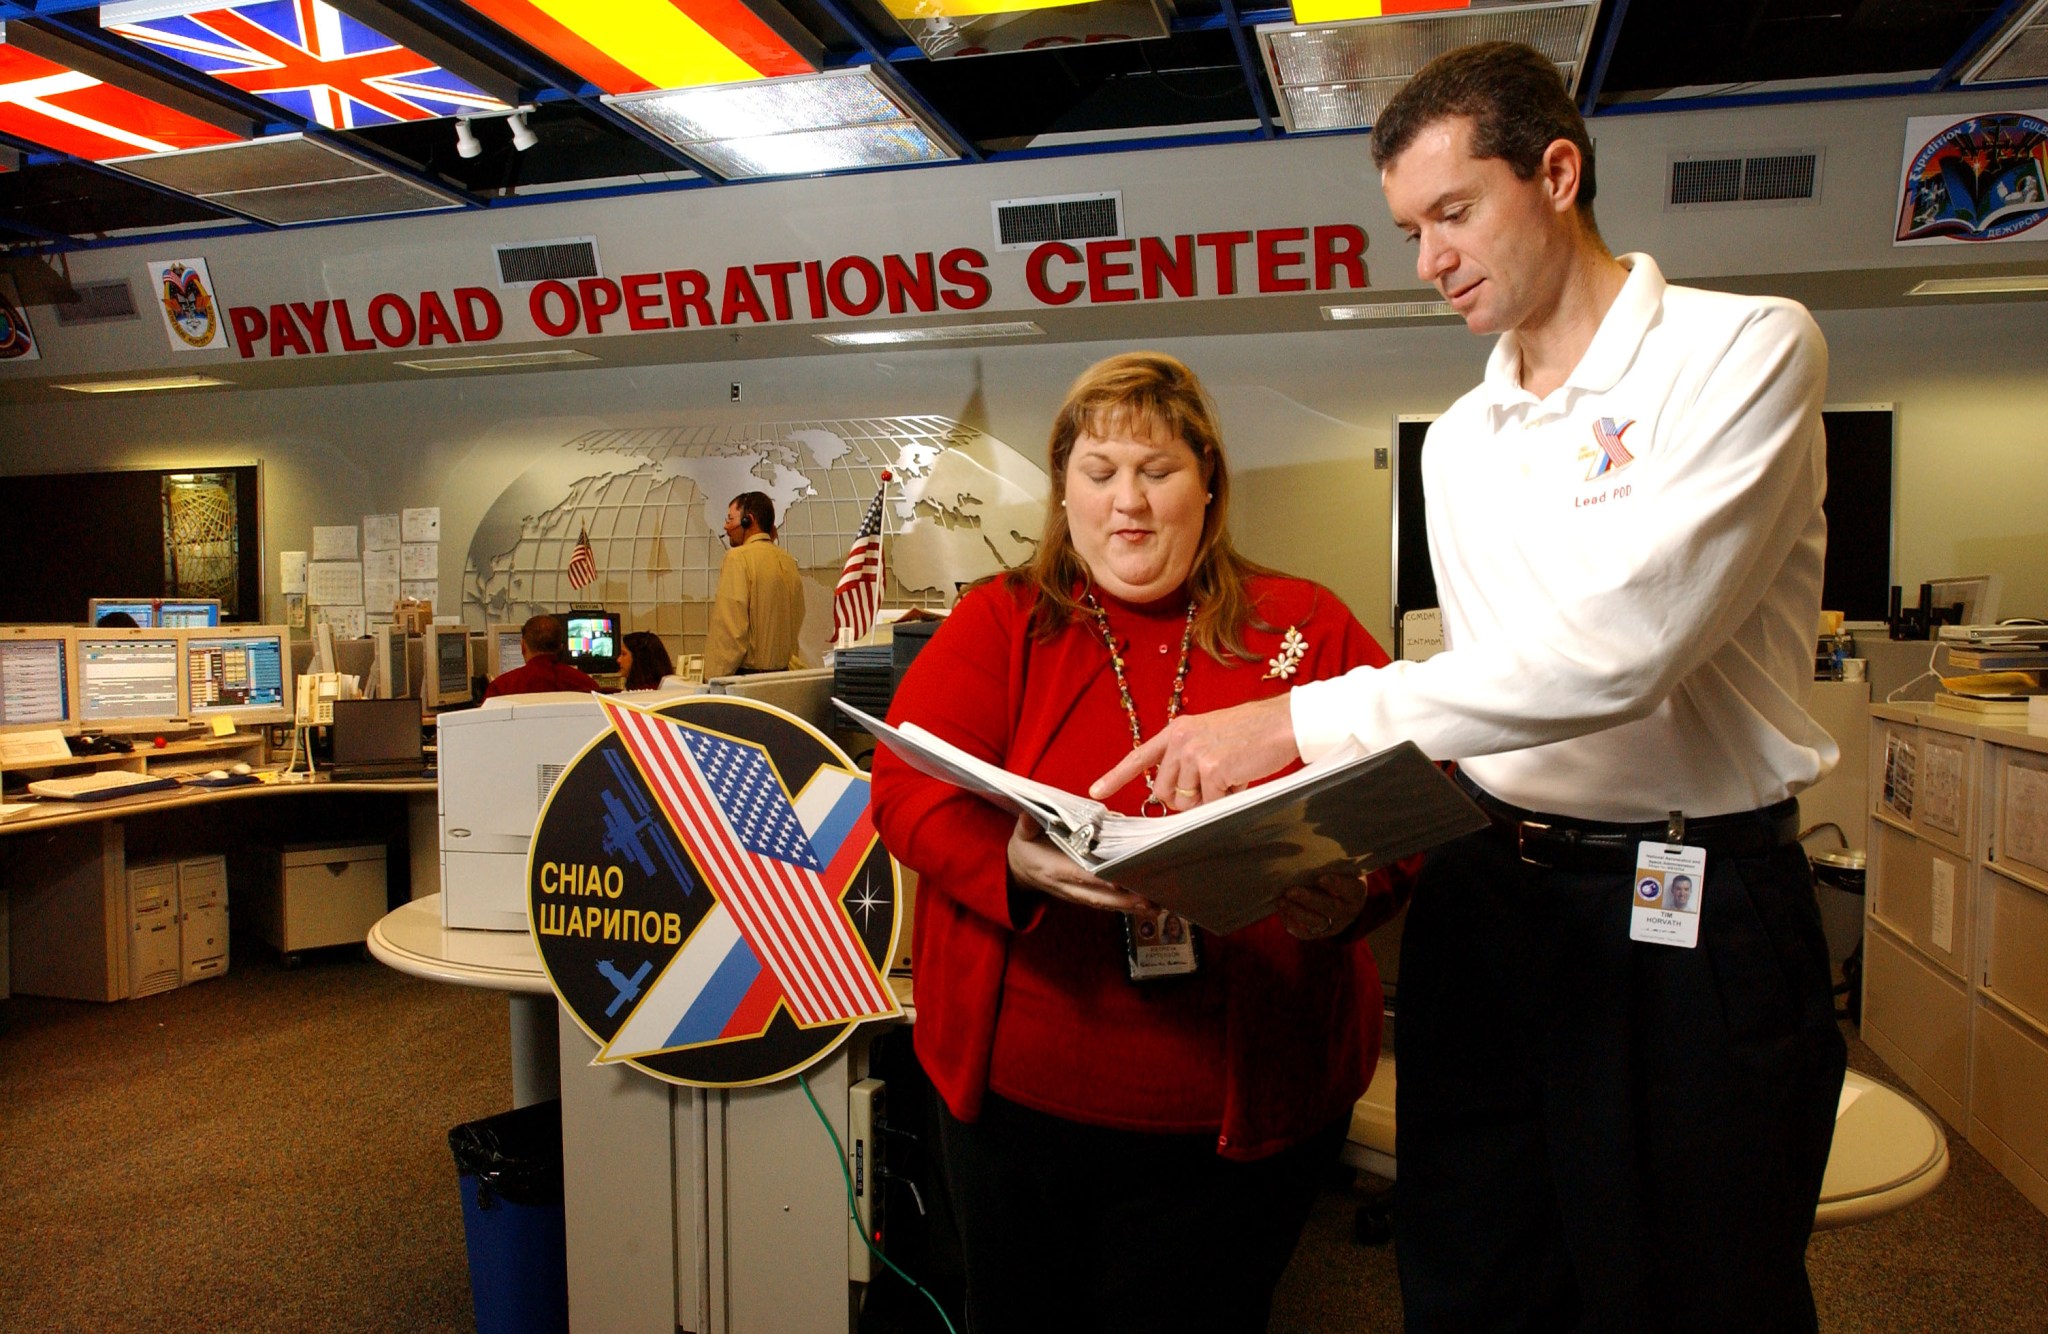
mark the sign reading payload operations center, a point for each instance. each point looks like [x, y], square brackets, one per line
[1270, 261]
[708, 895]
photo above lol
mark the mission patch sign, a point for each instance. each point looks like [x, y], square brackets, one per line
[708, 895]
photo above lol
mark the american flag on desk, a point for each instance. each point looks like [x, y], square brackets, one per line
[582, 560]
[858, 594]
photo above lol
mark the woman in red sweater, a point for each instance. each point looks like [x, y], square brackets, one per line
[1137, 1115]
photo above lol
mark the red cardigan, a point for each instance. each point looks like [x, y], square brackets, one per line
[1292, 1028]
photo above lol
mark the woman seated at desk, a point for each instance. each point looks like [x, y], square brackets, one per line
[1124, 1155]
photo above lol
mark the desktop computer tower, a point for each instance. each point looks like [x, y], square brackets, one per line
[152, 929]
[202, 918]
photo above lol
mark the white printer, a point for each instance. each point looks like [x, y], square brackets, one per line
[497, 764]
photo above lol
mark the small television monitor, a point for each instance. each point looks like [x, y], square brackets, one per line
[593, 640]
[241, 672]
[188, 613]
[130, 680]
[38, 678]
[444, 676]
[503, 639]
[390, 677]
[142, 611]
[1975, 594]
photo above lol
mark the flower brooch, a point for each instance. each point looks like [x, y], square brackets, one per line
[1284, 663]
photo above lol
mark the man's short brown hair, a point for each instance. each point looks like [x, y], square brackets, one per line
[1513, 95]
[545, 635]
[759, 509]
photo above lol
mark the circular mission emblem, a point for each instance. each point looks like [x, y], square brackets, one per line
[708, 895]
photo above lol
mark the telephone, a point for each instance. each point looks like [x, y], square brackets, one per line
[317, 693]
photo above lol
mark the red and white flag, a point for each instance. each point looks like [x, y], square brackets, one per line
[582, 561]
[858, 595]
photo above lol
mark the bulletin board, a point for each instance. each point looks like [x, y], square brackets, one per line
[135, 533]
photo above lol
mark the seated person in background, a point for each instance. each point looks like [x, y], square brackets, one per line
[1127, 1156]
[643, 661]
[541, 641]
[115, 620]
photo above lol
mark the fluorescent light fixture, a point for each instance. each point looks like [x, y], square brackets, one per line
[2012, 282]
[142, 386]
[932, 333]
[841, 120]
[1390, 310]
[498, 360]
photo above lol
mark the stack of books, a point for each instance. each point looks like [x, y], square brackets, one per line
[1994, 670]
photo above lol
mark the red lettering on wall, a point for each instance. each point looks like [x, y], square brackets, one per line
[313, 319]
[1159, 269]
[477, 310]
[1034, 273]
[1340, 246]
[1272, 259]
[1108, 260]
[967, 287]
[777, 275]
[686, 288]
[390, 303]
[249, 326]
[814, 287]
[871, 283]
[351, 341]
[284, 334]
[435, 322]
[639, 302]
[600, 297]
[909, 286]
[541, 302]
[1225, 245]
[741, 298]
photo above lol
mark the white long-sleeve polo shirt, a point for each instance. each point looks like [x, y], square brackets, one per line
[1629, 568]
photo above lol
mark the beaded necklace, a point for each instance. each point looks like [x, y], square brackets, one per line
[1123, 686]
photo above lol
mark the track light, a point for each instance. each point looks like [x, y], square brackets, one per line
[466, 144]
[523, 138]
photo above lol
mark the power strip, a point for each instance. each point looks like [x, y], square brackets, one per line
[866, 1106]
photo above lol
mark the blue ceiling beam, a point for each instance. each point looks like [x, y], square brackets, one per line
[1253, 83]
[872, 47]
[1596, 77]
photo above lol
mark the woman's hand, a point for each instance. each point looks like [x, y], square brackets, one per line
[1036, 864]
[1323, 909]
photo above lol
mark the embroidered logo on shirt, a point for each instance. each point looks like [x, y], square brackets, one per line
[1612, 455]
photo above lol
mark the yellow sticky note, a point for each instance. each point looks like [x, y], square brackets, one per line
[223, 725]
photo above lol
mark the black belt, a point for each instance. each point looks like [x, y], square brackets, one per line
[1564, 843]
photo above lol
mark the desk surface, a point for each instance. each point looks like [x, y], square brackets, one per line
[45, 814]
[411, 939]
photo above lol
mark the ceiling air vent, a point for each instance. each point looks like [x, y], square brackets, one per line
[537, 261]
[2019, 51]
[1722, 180]
[288, 178]
[1024, 223]
[99, 303]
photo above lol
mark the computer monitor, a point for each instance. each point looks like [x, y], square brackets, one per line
[594, 640]
[130, 680]
[389, 676]
[38, 678]
[240, 672]
[444, 677]
[504, 652]
[142, 611]
[1976, 594]
[188, 613]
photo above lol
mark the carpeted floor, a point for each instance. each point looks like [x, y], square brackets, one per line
[268, 1151]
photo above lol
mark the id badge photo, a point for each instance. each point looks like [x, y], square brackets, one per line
[1160, 944]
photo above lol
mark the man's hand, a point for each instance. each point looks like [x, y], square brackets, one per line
[1201, 758]
[1036, 864]
[1325, 908]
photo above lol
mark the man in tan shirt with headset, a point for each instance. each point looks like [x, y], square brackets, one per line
[759, 607]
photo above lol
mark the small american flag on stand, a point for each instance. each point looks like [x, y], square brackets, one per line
[858, 595]
[582, 561]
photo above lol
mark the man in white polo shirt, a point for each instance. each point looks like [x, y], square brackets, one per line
[1625, 524]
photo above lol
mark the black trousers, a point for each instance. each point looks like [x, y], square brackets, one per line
[1601, 1135]
[1067, 1228]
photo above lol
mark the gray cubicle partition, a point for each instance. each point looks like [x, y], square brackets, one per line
[806, 693]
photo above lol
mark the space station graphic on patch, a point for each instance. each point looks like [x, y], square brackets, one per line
[708, 895]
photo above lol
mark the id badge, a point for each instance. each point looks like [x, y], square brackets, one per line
[1159, 944]
[1671, 884]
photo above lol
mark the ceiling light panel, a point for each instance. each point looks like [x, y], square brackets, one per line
[636, 46]
[934, 333]
[946, 28]
[289, 178]
[303, 55]
[1341, 75]
[72, 112]
[2012, 282]
[150, 385]
[841, 120]
[2020, 51]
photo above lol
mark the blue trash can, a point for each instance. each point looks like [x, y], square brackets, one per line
[510, 1170]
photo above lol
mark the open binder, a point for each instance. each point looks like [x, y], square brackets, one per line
[1225, 865]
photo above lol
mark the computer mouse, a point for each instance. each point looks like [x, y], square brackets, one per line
[241, 769]
[217, 773]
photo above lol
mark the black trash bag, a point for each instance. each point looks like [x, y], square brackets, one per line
[515, 1155]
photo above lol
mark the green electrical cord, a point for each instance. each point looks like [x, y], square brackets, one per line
[853, 1208]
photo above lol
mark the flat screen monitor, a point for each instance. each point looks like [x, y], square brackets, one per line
[1975, 594]
[444, 677]
[371, 732]
[390, 677]
[188, 613]
[142, 611]
[38, 678]
[242, 672]
[594, 640]
[130, 680]
[504, 652]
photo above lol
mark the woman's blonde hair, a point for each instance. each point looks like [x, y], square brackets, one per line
[1153, 397]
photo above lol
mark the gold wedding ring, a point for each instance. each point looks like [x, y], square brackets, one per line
[1187, 792]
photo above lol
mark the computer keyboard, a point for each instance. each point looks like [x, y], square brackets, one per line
[100, 786]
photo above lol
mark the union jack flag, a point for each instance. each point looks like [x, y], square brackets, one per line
[311, 59]
[1613, 454]
[730, 810]
[582, 561]
[858, 595]
[61, 108]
